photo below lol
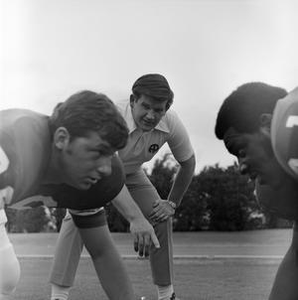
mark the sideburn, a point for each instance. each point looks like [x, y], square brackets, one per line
[266, 143]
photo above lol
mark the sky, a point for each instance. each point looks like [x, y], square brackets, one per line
[51, 49]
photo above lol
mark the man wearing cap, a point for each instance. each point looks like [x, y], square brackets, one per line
[151, 124]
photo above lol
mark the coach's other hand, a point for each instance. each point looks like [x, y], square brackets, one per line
[144, 235]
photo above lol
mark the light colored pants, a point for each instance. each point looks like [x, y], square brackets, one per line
[69, 245]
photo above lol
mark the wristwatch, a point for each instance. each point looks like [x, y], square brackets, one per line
[173, 204]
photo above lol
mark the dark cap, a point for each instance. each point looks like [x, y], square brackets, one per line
[155, 86]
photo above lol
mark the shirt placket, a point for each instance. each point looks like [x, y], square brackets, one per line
[139, 144]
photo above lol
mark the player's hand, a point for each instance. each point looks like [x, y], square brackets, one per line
[144, 235]
[162, 210]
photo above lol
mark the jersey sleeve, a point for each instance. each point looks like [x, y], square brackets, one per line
[179, 141]
[89, 218]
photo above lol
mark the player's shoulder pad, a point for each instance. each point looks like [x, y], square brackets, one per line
[284, 133]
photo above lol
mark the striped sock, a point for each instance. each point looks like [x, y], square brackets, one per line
[165, 292]
[59, 292]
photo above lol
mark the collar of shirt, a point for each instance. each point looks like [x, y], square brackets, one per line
[162, 125]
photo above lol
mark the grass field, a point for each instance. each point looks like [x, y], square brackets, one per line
[209, 266]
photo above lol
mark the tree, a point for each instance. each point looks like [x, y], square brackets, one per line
[230, 198]
[58, 214]
[11, 219]
[217, 198]
[30, 220]
[116, 222]
[162, 175]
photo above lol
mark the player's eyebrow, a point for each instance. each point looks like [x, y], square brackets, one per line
[104, 148]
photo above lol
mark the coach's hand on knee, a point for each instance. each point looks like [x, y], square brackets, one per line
[144, 235]
[162, 210]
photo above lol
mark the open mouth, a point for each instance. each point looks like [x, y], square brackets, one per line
[148, 123]
[93, 180]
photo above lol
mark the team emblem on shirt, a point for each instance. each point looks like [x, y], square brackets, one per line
[153, 148]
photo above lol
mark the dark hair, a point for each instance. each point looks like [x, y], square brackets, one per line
[88, 111]
[242, 109]
[155, 86]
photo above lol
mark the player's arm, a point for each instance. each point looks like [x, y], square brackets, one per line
[141, 229]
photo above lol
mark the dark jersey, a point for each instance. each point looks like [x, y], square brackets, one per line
[25, 142]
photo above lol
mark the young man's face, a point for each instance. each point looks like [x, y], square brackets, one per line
[85, 160]
[147, 112]
[255, 156]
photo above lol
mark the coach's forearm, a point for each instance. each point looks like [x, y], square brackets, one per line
[125, 204]
[182, 180]
[140, 227]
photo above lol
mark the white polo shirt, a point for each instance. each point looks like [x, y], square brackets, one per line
[142, 146]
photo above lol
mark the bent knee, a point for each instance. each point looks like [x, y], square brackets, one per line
[164, 226]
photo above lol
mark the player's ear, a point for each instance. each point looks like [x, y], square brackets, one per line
[265, 123]
[131, 100]
[61, 137]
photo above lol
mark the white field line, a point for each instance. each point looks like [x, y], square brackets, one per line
[190, 257]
